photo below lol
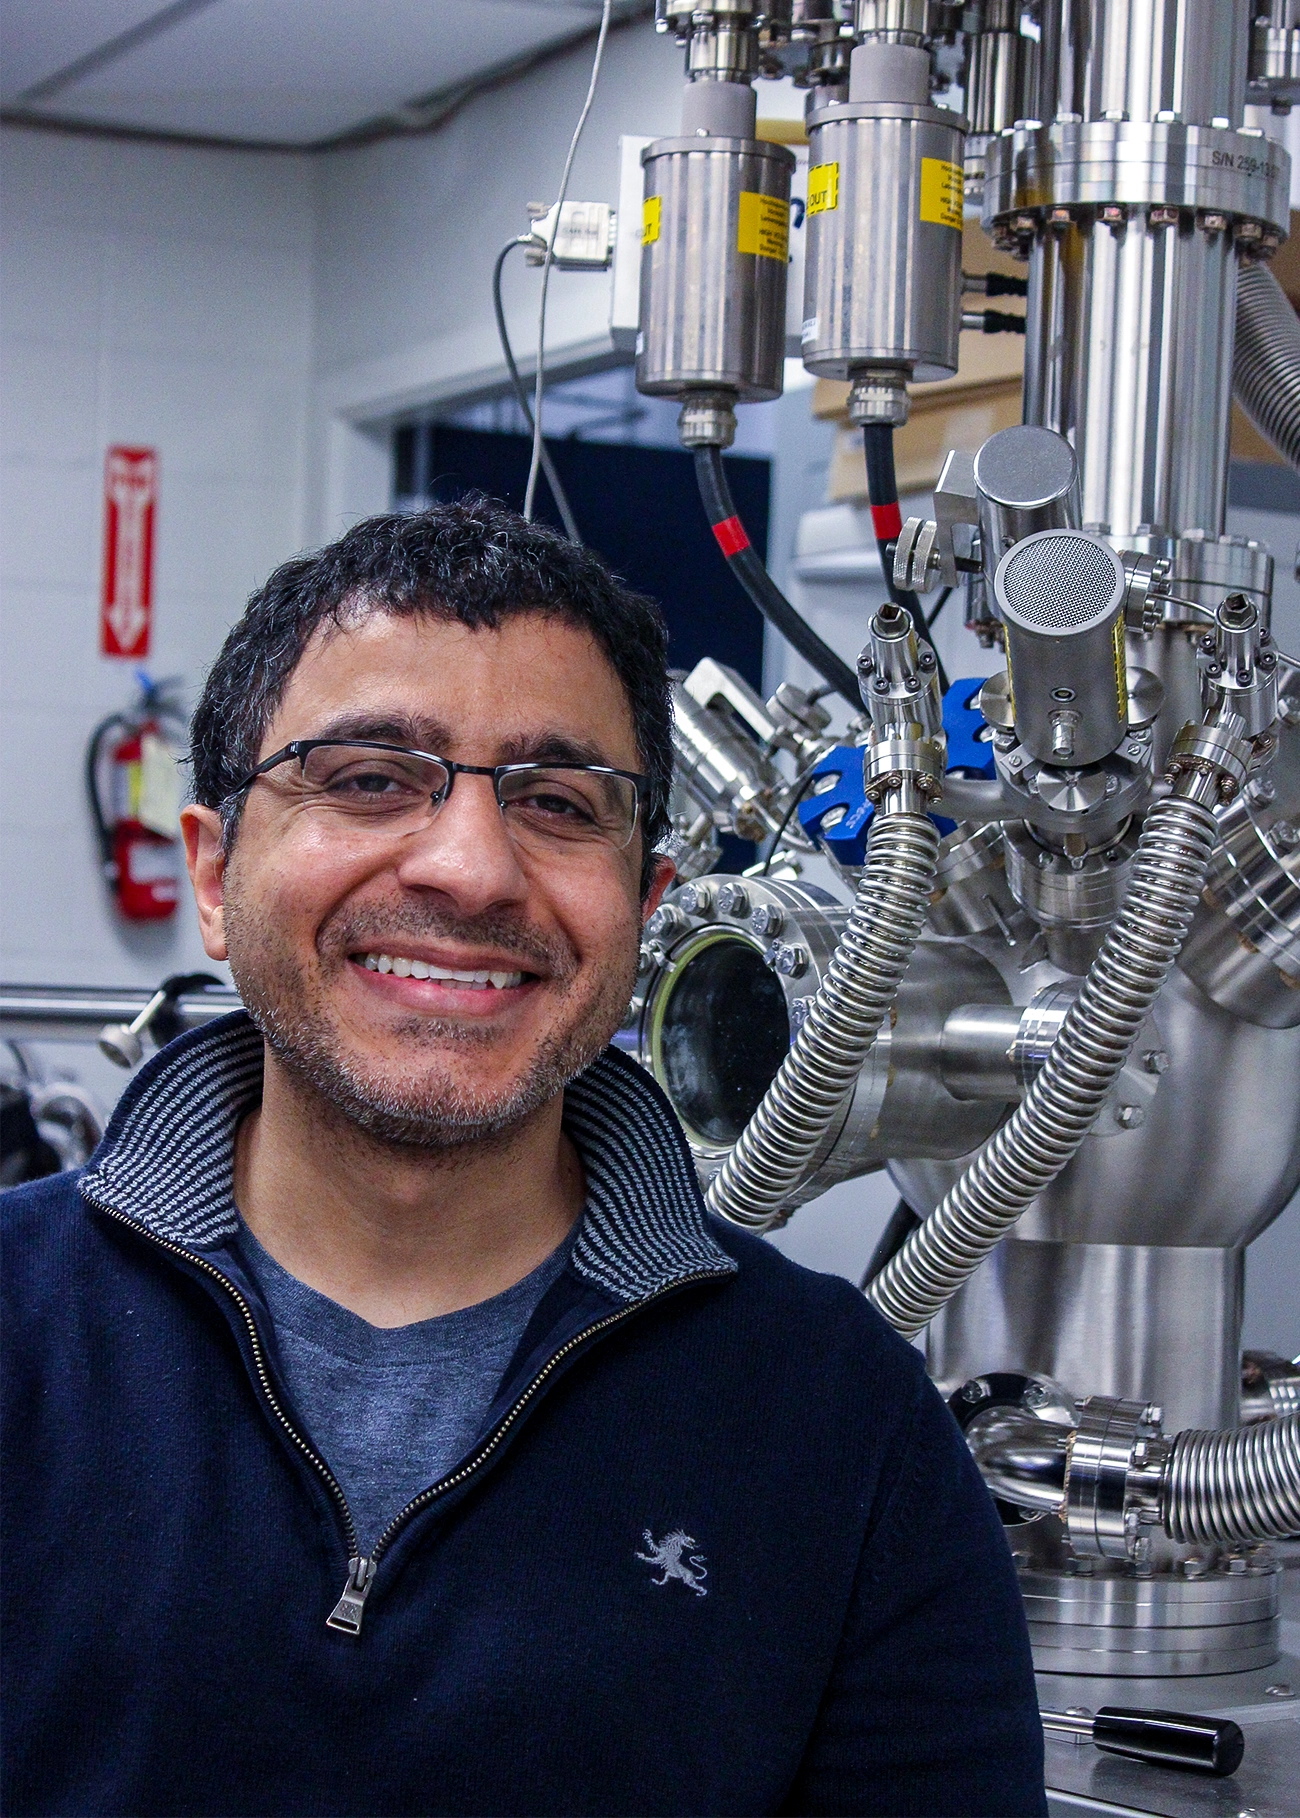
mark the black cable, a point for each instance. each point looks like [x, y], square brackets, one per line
[800, 788]
[937, 608]
[887, 520]
[521, 394]
[902, 1222]
[743, 562]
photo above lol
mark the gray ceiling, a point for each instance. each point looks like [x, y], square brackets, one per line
[283, 72]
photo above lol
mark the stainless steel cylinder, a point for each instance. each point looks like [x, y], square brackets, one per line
[882, 272]
[1131, 1320]
[1134, 59]
[1060, 596]
[1027, 480]
[1133, 229]
[714, 258]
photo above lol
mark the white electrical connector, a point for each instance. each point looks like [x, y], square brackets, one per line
[584, 240]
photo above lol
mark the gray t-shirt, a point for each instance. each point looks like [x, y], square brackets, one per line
[391, 1409]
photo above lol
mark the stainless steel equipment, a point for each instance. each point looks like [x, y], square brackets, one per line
[1069, 1028]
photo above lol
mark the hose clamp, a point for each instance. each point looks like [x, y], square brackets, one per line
[901, 758]
[1114, 1477]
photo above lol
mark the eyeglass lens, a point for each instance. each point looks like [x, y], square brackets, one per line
[397, 790]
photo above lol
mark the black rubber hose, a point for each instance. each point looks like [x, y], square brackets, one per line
[887, 521]
[743, 562]
[103, 831]
[902, 1222]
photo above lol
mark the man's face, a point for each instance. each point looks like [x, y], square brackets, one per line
[311, 909]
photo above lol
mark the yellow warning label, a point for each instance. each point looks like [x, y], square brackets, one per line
[823, 188]
[941, 192]
[1121, 670]
[763, 226]
[651, 210]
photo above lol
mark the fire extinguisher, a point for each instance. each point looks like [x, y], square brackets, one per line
[133, 787]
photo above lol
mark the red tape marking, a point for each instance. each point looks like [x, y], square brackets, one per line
[888, 521]
[731, 536]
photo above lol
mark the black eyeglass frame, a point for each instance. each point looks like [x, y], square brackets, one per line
[300, 750]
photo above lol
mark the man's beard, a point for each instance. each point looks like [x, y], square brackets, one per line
[291, 1011]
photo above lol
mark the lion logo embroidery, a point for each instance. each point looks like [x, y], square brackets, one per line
[667, 1553]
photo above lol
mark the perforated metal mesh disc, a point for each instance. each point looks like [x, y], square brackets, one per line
[1060, 580]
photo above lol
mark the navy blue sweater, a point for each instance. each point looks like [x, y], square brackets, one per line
[719, 1548]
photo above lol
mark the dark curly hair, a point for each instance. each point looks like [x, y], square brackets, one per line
[475, 561]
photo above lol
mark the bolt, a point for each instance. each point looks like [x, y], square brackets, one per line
[1113, 215]
[1208, 644]
[1036, 1395]
[1112, 784]
[881, 684]
[975, 1390]
[1285, 835]
[766, 920]
[1194, 1566]
[799, 1012]
[826, 782]
[1280, 1690]
[733, 899]
[833, 816]
[1214, 223]
[1156, 1060]
[1152, 1414]
[657, 953]
[791, 962]
[663, 921]
[643, 962]
[695, 899]
[1236, 1565]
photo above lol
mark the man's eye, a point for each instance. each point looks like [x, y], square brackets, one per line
[553, 804]
[373, 784]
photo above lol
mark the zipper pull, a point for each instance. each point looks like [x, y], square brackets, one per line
[350, 1608]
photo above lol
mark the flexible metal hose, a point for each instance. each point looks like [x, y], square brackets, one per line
[754, 1185]
[1095, 1040]
[1230, 1488]
[1266, 363]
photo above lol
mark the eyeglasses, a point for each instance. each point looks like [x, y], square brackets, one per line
[391, 790]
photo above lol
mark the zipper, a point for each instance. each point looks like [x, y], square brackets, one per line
[349, 1611]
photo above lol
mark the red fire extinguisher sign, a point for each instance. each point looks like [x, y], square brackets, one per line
[130, 512]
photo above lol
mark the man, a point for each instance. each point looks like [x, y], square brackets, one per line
[390, 1429]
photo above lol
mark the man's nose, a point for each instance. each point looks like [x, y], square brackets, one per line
[465, 850]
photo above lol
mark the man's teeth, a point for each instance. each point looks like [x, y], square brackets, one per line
[401, 967]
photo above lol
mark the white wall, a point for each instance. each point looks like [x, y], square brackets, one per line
[151, 295]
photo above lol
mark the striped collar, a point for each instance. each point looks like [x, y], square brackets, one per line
[167, 1160]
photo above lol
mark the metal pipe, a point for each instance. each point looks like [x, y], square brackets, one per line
[1022, 1459]
[77, 1013]
[1229, 1489]
[1096, 1038]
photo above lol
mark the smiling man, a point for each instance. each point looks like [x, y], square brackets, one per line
[389, 1429]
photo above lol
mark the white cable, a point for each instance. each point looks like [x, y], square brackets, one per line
[535, 464]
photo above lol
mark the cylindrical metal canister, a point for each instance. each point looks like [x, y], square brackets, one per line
[1027, 480]
[714, 258]
[1060, 595]
[882, 273]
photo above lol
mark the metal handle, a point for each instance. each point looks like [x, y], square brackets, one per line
[1207, 1745]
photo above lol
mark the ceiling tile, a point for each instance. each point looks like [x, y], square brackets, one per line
[37, 40]
[295, 71]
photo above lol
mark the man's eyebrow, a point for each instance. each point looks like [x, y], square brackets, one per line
[552, 748]
[386, 728]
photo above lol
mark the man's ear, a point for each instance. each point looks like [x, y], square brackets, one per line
[662, 874]
[206, 859]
